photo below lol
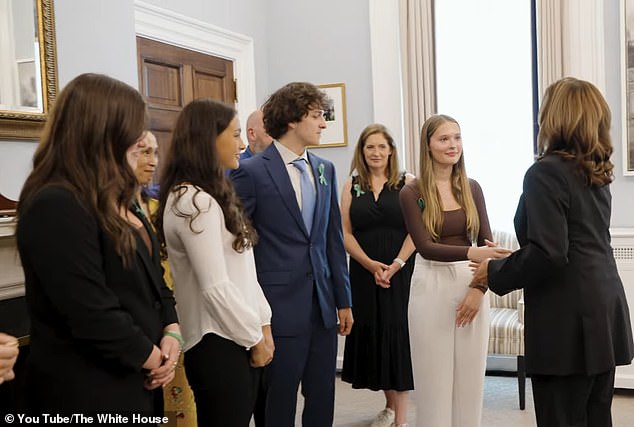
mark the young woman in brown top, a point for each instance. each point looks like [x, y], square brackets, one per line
[446, 217]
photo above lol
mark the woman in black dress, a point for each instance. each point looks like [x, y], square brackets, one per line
[377, 353]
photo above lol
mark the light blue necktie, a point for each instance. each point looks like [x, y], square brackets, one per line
[308, 193]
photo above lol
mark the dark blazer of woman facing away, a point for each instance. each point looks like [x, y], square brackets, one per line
[577, 325]
[104, 332]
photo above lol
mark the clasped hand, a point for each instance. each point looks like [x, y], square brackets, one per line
[382, 273]
[162, 371]
[262, 352]
[8, 355]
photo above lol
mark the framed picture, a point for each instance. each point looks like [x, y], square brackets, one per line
[627, 81]
[336, 133]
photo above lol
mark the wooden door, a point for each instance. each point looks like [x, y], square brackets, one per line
[170, 77]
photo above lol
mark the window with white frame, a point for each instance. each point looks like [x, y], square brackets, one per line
[484, 80]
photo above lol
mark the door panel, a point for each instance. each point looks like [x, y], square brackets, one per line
[209, 86]
[162, 85]
[170, 77]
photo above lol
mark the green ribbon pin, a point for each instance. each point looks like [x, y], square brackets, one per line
[322, 178]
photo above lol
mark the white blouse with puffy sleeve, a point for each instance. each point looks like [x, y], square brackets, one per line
[216, 288]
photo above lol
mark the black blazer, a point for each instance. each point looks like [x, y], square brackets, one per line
[576, 314]
[93, 322]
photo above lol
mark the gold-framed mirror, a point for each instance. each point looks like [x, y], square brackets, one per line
[28, 67]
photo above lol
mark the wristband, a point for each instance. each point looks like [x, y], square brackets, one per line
[399, 262]
[176, 336]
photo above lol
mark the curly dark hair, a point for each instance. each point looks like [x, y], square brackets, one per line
[290, 104]
[192, 159]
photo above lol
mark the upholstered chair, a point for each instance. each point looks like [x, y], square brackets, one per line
[506, 331]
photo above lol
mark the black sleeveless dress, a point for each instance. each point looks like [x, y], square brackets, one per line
[377, 351]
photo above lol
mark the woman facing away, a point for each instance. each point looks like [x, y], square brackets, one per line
[576, 315]
[226, 318]
[446, 217]
[377, 355]
[103, 323]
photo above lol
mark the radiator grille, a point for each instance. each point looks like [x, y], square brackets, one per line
[623, 253]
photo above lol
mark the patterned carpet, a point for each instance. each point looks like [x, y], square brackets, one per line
[357, 408]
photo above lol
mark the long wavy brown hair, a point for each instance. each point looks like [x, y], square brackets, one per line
[432, 212]
[574, 122]
[359, 164]
[94, 121]
[192, 159]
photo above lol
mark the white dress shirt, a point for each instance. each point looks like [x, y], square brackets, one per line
[216, 288]
[293, 173]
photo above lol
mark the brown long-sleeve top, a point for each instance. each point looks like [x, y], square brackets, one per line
[454, 241]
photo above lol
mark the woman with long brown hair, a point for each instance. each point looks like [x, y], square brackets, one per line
[377, 355]
[225, 316]
[576, 315]
[103, 323]
[446, 217]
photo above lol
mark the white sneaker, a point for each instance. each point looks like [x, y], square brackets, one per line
[385, 418]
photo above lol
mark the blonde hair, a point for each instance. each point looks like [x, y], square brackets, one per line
[432, 206]
[359, 164]
[574, 122]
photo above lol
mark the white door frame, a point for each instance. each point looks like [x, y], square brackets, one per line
[178, 30]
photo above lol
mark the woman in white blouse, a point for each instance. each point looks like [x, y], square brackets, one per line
[225, 316]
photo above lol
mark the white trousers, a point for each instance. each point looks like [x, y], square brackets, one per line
[448, 362]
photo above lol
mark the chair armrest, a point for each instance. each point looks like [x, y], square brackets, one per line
[520, 308]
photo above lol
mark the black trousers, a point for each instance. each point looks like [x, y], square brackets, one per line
[223, 382]
[574, 400]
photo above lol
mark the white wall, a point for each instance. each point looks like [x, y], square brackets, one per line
[622, 187]
[247, 17]
[95, 36]
[323, 42]
[15, 166]
[92, 36]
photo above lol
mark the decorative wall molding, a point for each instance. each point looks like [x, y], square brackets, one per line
[169, 27]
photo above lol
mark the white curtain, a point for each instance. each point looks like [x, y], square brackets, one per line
[549, 43]
[570, 41]
[418, 73]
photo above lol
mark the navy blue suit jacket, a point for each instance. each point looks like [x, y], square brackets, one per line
[288, 258]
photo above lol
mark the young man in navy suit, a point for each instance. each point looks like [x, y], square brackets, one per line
[291, 198]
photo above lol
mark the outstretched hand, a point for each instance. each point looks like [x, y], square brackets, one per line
[480, 273]
[489, 250]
